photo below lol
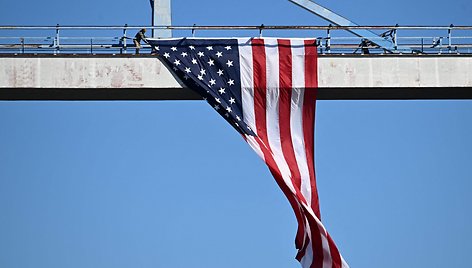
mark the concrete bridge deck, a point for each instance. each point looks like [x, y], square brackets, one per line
[145, 77]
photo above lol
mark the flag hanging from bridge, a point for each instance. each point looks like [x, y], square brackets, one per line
[266, 89]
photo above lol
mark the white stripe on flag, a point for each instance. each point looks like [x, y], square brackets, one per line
[272, 109]
[307, 259]
[296, 116]
[247, 81]
[247, 91]
[327, 259]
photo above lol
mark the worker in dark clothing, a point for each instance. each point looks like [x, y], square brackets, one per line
[365, 46]
[137, 39]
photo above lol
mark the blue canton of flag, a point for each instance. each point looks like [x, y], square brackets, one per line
[211, 70]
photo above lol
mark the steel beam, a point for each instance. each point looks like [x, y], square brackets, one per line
[339, 20]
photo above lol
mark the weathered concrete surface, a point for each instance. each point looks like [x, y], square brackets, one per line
[149, 72]
[144, 77]
[85, 72]
[400, 71]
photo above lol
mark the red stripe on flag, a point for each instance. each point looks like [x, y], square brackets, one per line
[311, 84]
[260, 87]
[285, 101]
[311, 64]
[260, 101]
[285, 84]
[335, 256]
[308, 111]
[317, 242]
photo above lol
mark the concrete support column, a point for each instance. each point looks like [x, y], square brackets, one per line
[161, 16]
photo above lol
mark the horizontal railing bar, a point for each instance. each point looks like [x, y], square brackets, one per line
[232, 27]
[451, 39]
[117, 38]
[69, 46]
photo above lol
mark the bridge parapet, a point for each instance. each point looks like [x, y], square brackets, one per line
[111, 77]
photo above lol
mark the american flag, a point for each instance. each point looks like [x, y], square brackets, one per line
[266, 89]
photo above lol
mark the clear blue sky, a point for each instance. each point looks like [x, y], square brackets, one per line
[171, 185]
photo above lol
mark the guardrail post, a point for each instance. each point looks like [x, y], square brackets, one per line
[124, 37]
[56, 41]
[440, 44]
[22, 40]
[395, 43]
[449, 38]
[328, 40]
[193, 30]
[260, 30]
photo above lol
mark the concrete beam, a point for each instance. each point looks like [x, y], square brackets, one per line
[131, 77]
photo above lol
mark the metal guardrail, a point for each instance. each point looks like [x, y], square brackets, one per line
[331, 39]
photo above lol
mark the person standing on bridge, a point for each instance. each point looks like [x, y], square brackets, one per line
[137, 39]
